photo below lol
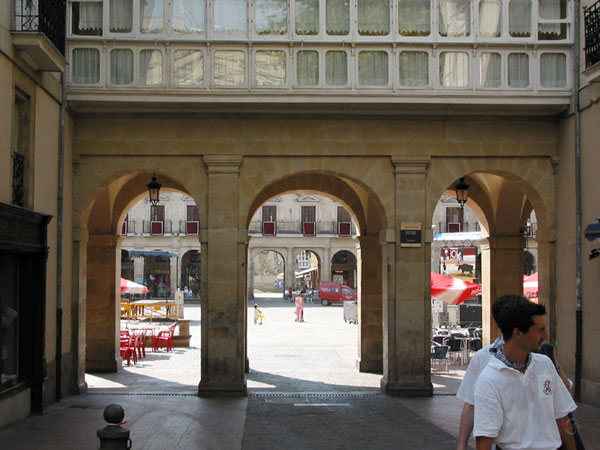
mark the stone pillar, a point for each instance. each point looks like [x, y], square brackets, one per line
[250, 292]
[138, 269]
[501, 273]
[407, 333]
[223, 310]
[326, 272]
[78, 311]
[174, 260]
[290, 272]
[370, 343]
[102, 303]
[546, 245]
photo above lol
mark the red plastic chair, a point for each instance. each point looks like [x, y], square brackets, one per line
[128, 350]
[139, 338]
[164, 337]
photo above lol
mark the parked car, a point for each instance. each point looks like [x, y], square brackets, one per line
[335, 292]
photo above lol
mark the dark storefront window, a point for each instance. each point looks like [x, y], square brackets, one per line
[9, 325]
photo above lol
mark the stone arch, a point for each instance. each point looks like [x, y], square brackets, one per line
[502, 195]
[370, 208]
[104, 198]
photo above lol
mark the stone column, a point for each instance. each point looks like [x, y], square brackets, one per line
[290, 272]
[408, 331]
[173, 276]
[250, 292]
[370, 343]
[102, 303]
[326, 273]
[546, 246]
[138, 269]
[501, 273]
[78, 311]
[223, 311]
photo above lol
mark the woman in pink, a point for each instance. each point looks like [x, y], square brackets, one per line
[299, 308]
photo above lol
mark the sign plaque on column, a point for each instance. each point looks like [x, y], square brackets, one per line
[410, 234]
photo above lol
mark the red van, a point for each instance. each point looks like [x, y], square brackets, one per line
[335, 292]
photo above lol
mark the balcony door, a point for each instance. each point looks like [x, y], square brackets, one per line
[308, 220]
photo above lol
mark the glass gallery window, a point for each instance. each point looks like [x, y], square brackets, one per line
[490, 70]
[336, 68]
[307, 68]
[490, 18]
[120, 16]
[151, 67]
[519, 18]
[188, 67]
[307, 17]
[151, 16]
[373, 17]
[85, 66]
[414, 17]
[552, 11]
[373, 68]
[455, 18]
[454, 69]
[414, 69]
[271, 17]
[188, 16]
[337, 17]
[270, 68]
[86, 18]
[121, 66]
[229, 68]
[229, 16]
[553, 70]
[518, 70]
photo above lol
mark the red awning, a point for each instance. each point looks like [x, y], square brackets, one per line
[452, 290]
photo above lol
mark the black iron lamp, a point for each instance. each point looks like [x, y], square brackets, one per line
[153, 190]
[462, 192]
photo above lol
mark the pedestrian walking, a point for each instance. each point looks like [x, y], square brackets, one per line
[258, 315]
[299, 308]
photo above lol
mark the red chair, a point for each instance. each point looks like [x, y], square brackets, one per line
[139, 338]
[164, 337]
[128, 350]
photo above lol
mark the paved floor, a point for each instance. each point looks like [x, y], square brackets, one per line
[304, 392]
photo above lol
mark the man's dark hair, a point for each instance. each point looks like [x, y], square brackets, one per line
[512, 311]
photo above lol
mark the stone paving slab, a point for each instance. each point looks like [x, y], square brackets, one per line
[338, 422]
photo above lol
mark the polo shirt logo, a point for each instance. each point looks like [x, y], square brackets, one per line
[548, 387]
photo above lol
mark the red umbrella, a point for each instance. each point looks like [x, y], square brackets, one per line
[129, 287]
[531, 287]
[452, 290]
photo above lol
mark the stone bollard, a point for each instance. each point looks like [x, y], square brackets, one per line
[114, 436]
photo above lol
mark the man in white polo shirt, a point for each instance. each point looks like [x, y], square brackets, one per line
[520, 400]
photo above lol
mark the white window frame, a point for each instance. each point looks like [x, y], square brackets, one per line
[538, 20]
[532, 79]
[102, 72]
[244, 50]
[308, 37]
[438, 84]
[251, 26]
[397, 84]
[349, 66]
[171, 58]
[391, 63]
[320, 57]
[252, 70]
[538, 72]
[175, 37]
[503, 71]
[135, 64]
[137, 55]
[69, 31]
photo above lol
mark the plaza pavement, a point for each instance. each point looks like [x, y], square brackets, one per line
[304, 393]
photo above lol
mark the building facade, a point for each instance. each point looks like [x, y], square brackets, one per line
[381, 105]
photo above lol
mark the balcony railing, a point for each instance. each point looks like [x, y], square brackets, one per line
[43, 16]
[297, 228]
[451, 227]
[592, 34]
